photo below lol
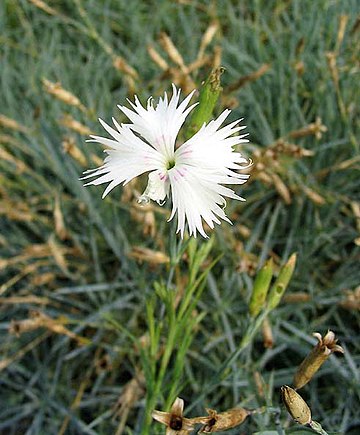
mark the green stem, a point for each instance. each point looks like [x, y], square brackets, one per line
[315, 426]
[175, 248]
[153, 395]
[251, 331]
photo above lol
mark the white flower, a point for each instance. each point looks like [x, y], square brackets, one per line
[193, 173]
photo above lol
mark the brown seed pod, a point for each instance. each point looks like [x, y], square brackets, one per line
[224, 420]
[316, 358]
[296, 405]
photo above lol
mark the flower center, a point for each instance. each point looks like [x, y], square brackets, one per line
[175, 422]
[170, 164]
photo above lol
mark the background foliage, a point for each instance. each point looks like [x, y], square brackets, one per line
[72, 264]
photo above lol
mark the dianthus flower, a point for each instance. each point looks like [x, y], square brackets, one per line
[192, 173]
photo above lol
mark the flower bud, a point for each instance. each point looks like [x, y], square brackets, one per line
[209, 94]
[280, 285]
[316, 358]
[296, 405]
[260, 288]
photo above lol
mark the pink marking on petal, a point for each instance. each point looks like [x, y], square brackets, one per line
[187, 152]
[182, 171]
[178, 172]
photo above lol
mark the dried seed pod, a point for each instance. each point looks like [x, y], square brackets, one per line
[268, 338]
[121, 65]
[69, 147]
[281, 188]
[316, 358]
[296, 405]
[148, 255]
[224, 420]
[248, 78]
[207, 38]
[157, 58]
[71, 123]
[352, 300]
[172, 51]
[38, 319]
[174, 421]
[314, 196]
[62, 94]
[315, 128]
[44, 6]
[11, 124]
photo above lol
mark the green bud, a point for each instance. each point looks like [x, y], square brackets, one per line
[281, 283]
[261, 288]
[209, 94]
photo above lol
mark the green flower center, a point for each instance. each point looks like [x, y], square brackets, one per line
[170, 164]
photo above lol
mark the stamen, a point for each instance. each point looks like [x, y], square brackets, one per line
[143, 200]
[248, 165]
